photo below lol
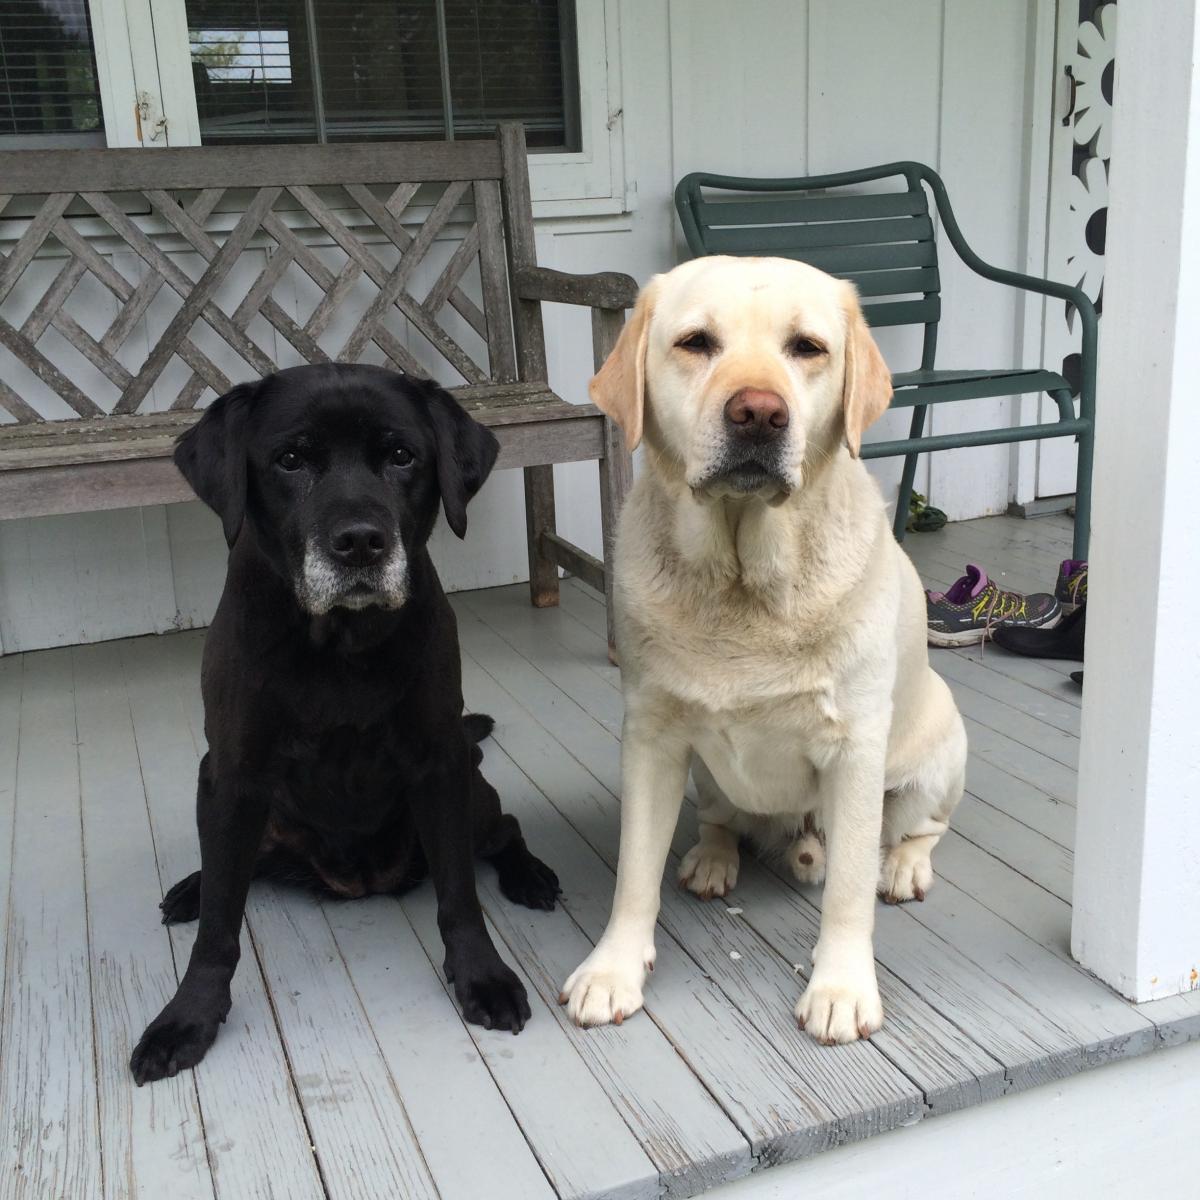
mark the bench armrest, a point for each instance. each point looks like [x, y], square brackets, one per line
[606, 289]
[1073, 296]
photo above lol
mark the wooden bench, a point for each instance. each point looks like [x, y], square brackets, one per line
[378, 210]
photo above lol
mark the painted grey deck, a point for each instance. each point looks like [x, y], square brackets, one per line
[345, 1070]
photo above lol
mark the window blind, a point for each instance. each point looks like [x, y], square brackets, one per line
[355, 70]
[47, 69]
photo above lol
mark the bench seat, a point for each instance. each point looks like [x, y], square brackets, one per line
[52, 467]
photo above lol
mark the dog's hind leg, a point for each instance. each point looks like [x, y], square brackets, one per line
[524, 878]
[710, 867]
[182, 902]
[916, 814]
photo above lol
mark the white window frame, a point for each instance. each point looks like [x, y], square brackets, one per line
[143, 61]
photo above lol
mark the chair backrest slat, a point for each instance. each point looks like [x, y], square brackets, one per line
[883, 242]
[904, 312]
[801, 208]
[847, 260]
[895, 283]
[773, 238]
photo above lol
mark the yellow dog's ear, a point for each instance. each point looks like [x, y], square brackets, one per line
[867, 389]
[618, 389]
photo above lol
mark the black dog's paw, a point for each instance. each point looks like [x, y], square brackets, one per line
[527, 880]
[171, 1044]
[492, 997]
[478, 726]
[182, 902]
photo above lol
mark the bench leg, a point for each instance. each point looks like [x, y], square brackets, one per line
[539, 519]
[616, 478]
[908, 474]
[1083, 497]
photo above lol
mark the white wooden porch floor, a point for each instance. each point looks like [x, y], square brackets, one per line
[345, 1071]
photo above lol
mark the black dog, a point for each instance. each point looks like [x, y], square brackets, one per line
[337, 749]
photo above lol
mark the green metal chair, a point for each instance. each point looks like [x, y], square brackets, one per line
[884, 243]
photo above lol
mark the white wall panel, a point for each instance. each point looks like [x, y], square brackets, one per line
[981, 160]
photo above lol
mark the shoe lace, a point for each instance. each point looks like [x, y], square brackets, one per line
[1076, 584]
[1000, 606]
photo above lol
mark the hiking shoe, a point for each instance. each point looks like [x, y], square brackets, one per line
[974, 606]
[1071, 588]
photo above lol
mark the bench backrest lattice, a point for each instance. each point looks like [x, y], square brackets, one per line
[167, 236]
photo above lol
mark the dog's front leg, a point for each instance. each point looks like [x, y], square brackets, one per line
[231, 826]
[607, 986]
[841, 1002]
[488, 991]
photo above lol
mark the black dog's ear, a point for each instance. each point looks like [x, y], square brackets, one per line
[211, 456]
[466, 452]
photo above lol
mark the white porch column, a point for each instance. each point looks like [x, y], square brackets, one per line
[1137, 855]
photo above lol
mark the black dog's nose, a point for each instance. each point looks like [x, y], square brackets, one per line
[358, 543]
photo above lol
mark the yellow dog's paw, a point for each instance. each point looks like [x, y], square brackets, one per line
[806, 857]
[603, 990]
[907, 872]
[709, 871]
[841, 1006]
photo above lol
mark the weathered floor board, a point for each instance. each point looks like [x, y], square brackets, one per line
[48, 1084]
[152, 1139]
[346, 1071]
[257, 1143]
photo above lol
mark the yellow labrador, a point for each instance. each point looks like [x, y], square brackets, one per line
[771, 633]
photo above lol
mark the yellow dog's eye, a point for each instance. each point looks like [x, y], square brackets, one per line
[803, 347]
[698, 343]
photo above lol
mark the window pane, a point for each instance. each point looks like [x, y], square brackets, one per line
[253, 71]
[380, 69]
[379, 66]
[514, 60]
[47, 69]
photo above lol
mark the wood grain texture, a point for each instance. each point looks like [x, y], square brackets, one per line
[607, 1161]
[604, 289]
[152, 1139]
[41, 171]
[649, 1075]
[710, 1083]
[353, 1122]
[440, 1077]
[257, 1142]
[48, 1099]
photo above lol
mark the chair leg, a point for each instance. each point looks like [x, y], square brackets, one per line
[908, 474]
[539, 519]
[616, 478]
[1083, 496]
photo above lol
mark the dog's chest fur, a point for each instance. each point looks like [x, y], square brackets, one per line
[754, 632]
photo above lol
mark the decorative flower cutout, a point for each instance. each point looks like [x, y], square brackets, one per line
[1094, 80]
[1088, 199]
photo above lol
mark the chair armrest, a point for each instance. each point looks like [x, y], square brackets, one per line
[1031, 283]
[606, 289]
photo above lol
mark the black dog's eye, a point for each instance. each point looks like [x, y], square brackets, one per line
[803, 347]
[698, 342]
[289, 460]
[400, 457]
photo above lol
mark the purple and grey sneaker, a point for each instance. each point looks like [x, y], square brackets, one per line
[1071, 587]
[974, 606]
